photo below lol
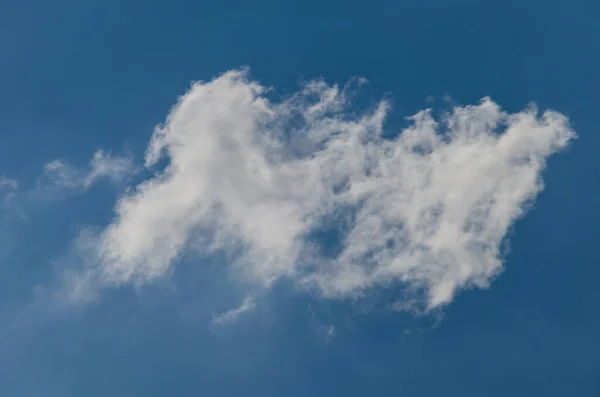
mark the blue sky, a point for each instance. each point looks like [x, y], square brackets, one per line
[286, 231]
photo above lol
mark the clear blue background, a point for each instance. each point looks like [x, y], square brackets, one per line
[78, 75]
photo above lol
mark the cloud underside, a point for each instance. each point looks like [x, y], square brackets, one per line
[307, 188]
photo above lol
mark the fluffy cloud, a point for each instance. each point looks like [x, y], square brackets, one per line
[261, 180]
[102, 165]
[233, 315]
[8, 183]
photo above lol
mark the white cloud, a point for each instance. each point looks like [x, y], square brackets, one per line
[9, 204]
[255, 178]
[102, 165]
[8, 183]
[10, 211]
[57, 179]
[325, 331]
[233, 315]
